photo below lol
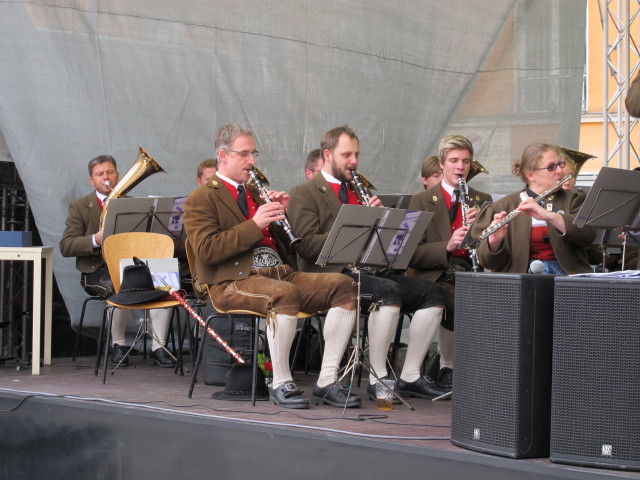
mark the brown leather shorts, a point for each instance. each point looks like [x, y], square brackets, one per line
[280, 289]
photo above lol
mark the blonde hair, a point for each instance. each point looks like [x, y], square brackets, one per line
[453, 142]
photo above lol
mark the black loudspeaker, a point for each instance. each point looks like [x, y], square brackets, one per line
[502, 363]
[595, 407]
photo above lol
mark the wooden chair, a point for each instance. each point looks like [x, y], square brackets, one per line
[129, 245]
[230, 314]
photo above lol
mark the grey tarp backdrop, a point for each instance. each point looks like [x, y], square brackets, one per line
[83, 78]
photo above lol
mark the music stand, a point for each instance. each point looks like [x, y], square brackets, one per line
[395, 200]
[613, 202]
[146, 214]
[365, 237]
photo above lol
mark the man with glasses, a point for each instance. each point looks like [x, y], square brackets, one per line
[314, 163]
[240, 255]
[438, 255]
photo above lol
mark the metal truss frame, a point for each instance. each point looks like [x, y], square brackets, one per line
[621, 63]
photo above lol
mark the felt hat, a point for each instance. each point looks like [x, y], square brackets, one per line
[238, 386]
[137, 285]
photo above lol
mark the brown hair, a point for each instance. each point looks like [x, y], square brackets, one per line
[312, 158]
[430, 167]
[208, 163]
[330, 139]
[530, 158]
[100, 159]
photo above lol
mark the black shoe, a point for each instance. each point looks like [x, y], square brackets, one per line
[162, 358]
[445, 379]
[424, 387]
[371, 394]
[287, 395]
[335, 395]
[118, 353]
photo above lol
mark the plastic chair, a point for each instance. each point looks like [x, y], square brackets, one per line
[128, 245]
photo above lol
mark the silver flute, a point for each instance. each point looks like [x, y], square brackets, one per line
[514, 213]
[364, 193]
[255, 178]
[464, 194]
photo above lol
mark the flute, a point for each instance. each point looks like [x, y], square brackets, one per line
[514, 213]
[255, 178]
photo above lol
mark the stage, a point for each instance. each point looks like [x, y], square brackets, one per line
[140, 424]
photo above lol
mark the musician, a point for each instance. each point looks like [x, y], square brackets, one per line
[206, 170]
[239, 256]
[438, 253]
[546, 231]
[431, 172]
[569, 169]
[314, 163]
[82, 238]
[313, 209]
[632, 100]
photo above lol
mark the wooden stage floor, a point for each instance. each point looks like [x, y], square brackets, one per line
[147, 391]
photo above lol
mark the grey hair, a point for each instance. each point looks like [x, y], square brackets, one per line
[224, 137]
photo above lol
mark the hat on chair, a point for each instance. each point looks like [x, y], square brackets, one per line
[238, 386]
[137, 285]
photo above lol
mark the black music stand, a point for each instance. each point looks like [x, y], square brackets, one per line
[365, 237]
[395, 200]
[145, 214]
[613, 202]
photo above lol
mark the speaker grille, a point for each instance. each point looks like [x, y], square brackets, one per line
[494, 355]
[595, 415]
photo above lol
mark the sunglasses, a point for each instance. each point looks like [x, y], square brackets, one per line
[553, 166]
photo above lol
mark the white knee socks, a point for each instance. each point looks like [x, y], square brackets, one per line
[382, 328]
[338, 326]
[445, 344]
[280, 342]
[422, 330]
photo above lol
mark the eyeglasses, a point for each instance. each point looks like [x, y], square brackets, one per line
[553, 166]
[245, 153]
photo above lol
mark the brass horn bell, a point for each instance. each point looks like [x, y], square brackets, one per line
[143, 167]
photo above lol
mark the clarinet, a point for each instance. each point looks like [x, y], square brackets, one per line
[253, 173]
[462, 185]
[364, 193]
[514, 213]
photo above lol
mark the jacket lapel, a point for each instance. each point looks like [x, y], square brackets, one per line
[332, 202]
[226, 198]
[441, 217]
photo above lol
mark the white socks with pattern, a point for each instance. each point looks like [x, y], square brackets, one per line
[280, 342]
[422, 330]
[382, 328]
[338, 327]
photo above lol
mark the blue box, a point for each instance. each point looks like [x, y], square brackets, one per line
[15, 239]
